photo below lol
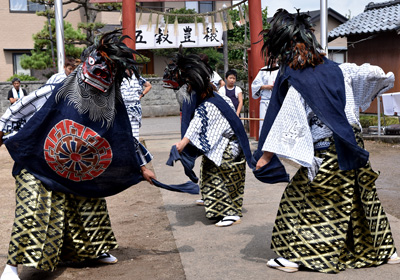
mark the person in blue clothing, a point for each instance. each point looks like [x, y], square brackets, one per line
[330, 217]
[232, 91]
[80, 149]
[207, 132]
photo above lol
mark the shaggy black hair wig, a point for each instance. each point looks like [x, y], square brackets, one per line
[194, 72]
[290, 41]
[116, 53]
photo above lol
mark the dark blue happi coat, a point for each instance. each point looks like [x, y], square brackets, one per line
[70, 153]
[323, 90]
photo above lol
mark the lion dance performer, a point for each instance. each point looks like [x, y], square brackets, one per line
[329, 217]
[207, 131]
[211, 128]
[72, 146]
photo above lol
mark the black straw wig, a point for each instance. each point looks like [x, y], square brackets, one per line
[290, 41]
[192, 70]
[117, 54]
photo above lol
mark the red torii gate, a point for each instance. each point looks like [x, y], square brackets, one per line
[256, 61]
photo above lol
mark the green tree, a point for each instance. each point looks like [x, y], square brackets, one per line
[264, 14]
[239, 42]
[41, 57]
[22, 77]
[90, 11]
[75, 40]
[184, 19]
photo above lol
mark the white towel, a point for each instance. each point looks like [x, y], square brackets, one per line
[396, 102]
[391, 103]
[18, 94]
[388, 108]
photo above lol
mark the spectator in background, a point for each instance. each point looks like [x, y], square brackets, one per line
[232, 91]
[133, 90]
[69, 66]
[262, 87]
[216, 80]
[16, 92]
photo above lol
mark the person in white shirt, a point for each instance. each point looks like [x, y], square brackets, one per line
[16, 92]
[132, 91]
[216, 80]
[232, 91]
[262, 87]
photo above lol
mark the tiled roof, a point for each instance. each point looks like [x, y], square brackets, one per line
[376, 18]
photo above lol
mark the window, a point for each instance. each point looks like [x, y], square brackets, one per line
[205, 6]
[337, 56]
[158, 6]
[25, 6]
[17, 64]
[200, 6]
[192, 6]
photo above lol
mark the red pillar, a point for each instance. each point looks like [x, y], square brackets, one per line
[256, 61]
[129, 22]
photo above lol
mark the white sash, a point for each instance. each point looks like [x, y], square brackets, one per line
[18, 94]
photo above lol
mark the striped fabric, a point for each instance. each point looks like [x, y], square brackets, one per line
[134, 110]
[210, 131]
[56, 78]
[131, 89]
[21, 111]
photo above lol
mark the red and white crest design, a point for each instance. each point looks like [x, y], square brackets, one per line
[76, 152]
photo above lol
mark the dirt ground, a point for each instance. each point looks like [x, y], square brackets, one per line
[147, 248]
[385, 158]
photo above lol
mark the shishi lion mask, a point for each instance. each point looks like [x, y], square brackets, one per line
[94, 87]
[172, 77]
[105, 62]
[98, 71]
[189, 70]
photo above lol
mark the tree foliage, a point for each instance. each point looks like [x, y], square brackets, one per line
[41, 56]
[239, 42]
[75, 40]
[90, 11]
[183, 19]
[22, 77]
